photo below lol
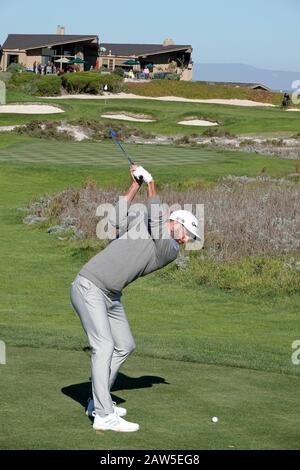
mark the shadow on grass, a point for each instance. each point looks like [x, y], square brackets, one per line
[82, 391]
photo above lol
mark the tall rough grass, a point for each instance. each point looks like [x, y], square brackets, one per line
[200, 90]
[243, 216]
[252, 231]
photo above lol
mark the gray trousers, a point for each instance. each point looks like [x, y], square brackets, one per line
[105, 323]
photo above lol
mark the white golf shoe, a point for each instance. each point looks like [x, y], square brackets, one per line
[90, 409]
[113, 422]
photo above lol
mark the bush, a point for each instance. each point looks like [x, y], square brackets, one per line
[34, 84]
[217, 132]
[252, 275]
[185, 140]
[21, 79]
[172, 76]
[16, 68]
[93, 83]
[166, 76]
[43, 130]
[119, 72]
[45, 86]
[251, 242]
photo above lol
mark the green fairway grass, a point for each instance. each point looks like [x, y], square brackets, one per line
[42, 405]
[220, 353]
[178, 163]
[235, 119]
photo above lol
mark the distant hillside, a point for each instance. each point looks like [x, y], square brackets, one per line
[275, 80]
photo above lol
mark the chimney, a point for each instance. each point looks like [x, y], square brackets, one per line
[168, 42]
[60, 30]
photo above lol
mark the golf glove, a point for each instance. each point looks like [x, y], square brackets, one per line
[141, 172]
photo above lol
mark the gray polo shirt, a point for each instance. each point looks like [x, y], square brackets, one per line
[143, 245]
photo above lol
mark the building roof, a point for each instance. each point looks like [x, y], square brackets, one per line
[32, 41]
[138, 50]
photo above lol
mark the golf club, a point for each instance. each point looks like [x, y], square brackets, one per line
[113, 134]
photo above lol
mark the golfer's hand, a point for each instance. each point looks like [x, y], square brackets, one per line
[141, 173]
[132, 169]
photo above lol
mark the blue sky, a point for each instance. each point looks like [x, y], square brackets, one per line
[263, 33]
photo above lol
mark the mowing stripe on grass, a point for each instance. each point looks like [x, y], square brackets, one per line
[103, 154]
[196, 163]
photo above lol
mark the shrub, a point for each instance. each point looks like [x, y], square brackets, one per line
[16, 68]
[166, 76]
[183, 140]
[78, 83]
[119, 72]
[172, 76]
[244, 216]
[91, 127]
[93, 83]
[217, 132]
[252, 275]
[35, 84]
[45, 86]
[43, 130]
[21, 79]
[251, 242]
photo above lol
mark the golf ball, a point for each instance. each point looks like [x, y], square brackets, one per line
[215, 419]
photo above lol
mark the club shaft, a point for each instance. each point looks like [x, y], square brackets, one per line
[124, 151]
[118, 143]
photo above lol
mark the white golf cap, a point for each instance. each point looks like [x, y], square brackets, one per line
[188, 220]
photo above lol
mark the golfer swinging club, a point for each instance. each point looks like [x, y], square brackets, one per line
[96, 291]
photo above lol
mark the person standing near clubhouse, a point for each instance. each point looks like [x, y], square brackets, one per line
[96, 291]
[146, 72]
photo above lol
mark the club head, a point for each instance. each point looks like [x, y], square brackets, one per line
[113, 133]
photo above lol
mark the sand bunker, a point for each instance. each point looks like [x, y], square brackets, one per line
[232, 102]
[198, 122]
[293, 110]
[7, 128]
[126, 117]
[131, 96]
[29, 109]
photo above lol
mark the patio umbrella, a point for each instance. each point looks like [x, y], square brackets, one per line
[77, 60]
[131, 62]
[62, 60]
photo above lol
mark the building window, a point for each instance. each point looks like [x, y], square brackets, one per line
[12, 59]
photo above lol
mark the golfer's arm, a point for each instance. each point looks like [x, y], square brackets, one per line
[157, 218]
[129, 195]
[119, 216]
[151, 189]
